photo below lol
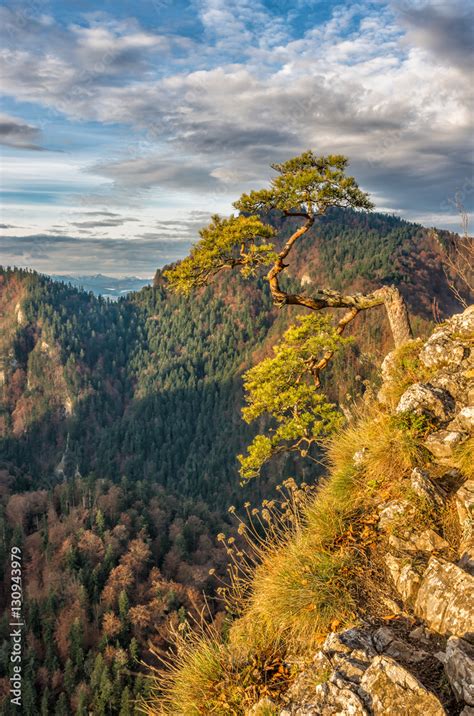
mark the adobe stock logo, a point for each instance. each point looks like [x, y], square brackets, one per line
[16, 625]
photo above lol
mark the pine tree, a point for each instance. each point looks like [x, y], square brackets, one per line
[123, 605]
[125, 703]
[62, 706]
[45, 711]
[76, 639]
[69, 677]
[81, 709]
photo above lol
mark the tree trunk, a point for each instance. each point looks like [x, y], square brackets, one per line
[397, 313]
[388, 296]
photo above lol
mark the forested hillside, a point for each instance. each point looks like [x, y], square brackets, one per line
[120, 424]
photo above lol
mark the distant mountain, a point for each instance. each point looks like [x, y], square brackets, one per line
[101, 285]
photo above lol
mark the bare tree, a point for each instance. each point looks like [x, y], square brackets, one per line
[458, 259]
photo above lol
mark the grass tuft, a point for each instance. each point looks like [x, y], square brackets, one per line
[388, 446]
[464, 458]
[207, 674]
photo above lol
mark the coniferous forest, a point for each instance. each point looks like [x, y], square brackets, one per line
[120, 425]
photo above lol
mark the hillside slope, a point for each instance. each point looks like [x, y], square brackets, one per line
[357, 597]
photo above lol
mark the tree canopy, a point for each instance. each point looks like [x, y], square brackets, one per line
[285, 386]
[304, 187]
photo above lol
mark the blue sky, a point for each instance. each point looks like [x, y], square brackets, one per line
[124, 125]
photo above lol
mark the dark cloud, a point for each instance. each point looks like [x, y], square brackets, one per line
[99, 213]
[145, 172]
[445, 29]
[97, 224]
[184, 227]
[214, 136]
[16, 133]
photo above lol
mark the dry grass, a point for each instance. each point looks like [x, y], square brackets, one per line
[184, 687]
[297, 593]
[208, 675]
[301, 588]
[464, 458]
[388, 447]
[450, 524]
[266, 708]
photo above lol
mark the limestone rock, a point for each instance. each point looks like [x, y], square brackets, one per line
[20, 315]
[359, 456]
[465, 504]
[391, 513]
[459, 668]
[426, 399]
[459, 384]
[442, 443]
[334, 696]
[444, 598]
[440, 350]
[422, 635]
[423, 486]
[347, 641]
[390, 689]
[466, 555]
[388, 643]
[464, 420]
[465, 509]
[349, 668]
[334, 700]
[449, 344]
[430, 541]
[405, 579]
[427, 541]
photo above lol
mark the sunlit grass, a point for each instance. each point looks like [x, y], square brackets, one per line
[464, 458]
[207, 674]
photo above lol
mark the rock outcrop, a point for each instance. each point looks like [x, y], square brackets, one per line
[422, 662]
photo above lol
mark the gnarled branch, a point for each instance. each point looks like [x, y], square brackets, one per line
[388, 296]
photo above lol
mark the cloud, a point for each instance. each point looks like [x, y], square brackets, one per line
[16, 133]
[99, 213]
[446, 30]
[146, 172]
[182, 229]
[238, 25]
[100, 223]
[46, 253]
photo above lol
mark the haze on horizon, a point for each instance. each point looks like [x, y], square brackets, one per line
[125, 125]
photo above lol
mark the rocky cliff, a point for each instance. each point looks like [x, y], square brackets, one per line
[418, 657]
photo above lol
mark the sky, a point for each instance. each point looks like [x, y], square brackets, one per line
[125, 125]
